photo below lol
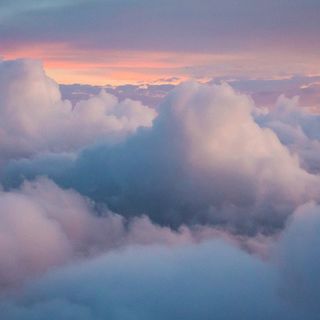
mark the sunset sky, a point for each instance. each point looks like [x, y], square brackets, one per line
[134, 41]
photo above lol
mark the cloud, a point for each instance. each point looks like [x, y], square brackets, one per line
[188, 280]
[265, 92]
[44, 226]
[34, 118]
[202, 281]
[297, 128]
[298, 257]
[163, 26]
[205, 160]
[209, 209]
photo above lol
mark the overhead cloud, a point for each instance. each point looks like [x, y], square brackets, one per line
[205, 160]
[265, 92]
[34, 118]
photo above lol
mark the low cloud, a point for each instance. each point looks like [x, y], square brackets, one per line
[189, 280]
[44, 226]
[34, 118]
[205, 160]
[202, 281]
[208, 208]
[296, 128]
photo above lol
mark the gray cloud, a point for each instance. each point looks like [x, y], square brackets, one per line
[202, 281]
[167, 25]
[193, 281]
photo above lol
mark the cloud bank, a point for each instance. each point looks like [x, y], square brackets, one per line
[44, 226]
[211, 279]
[205, 208]
[297, 128]
[205, 160]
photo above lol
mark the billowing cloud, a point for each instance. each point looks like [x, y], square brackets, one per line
[43, 226]
[34, 118]
[193, 281]
[202, 281]
[205, 160]
[297, 128]
[207, 209]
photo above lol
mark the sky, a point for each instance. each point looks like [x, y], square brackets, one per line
[133, 41]
[159, 160]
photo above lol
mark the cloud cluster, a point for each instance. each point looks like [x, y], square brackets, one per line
[34, 118]
[43, 226]
[205, 160]
[298, 257]
[158, 280]
[296, 128]
[126, 221]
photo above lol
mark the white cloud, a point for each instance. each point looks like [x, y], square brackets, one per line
[204, 160]
[34, 118]
[298, 257]
[209, 165]
[43, 226]
[297, 128]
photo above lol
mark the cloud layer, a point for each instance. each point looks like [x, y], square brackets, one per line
[204, 160]
[205, 208]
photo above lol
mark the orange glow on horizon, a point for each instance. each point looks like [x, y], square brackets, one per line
[69, 65]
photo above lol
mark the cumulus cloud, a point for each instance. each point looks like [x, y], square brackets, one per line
[298, 257]
[204, 160]
[126, 221]
[34, 118]
[189, 280]
[44, 226]
[210, 280]
[297, 128]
